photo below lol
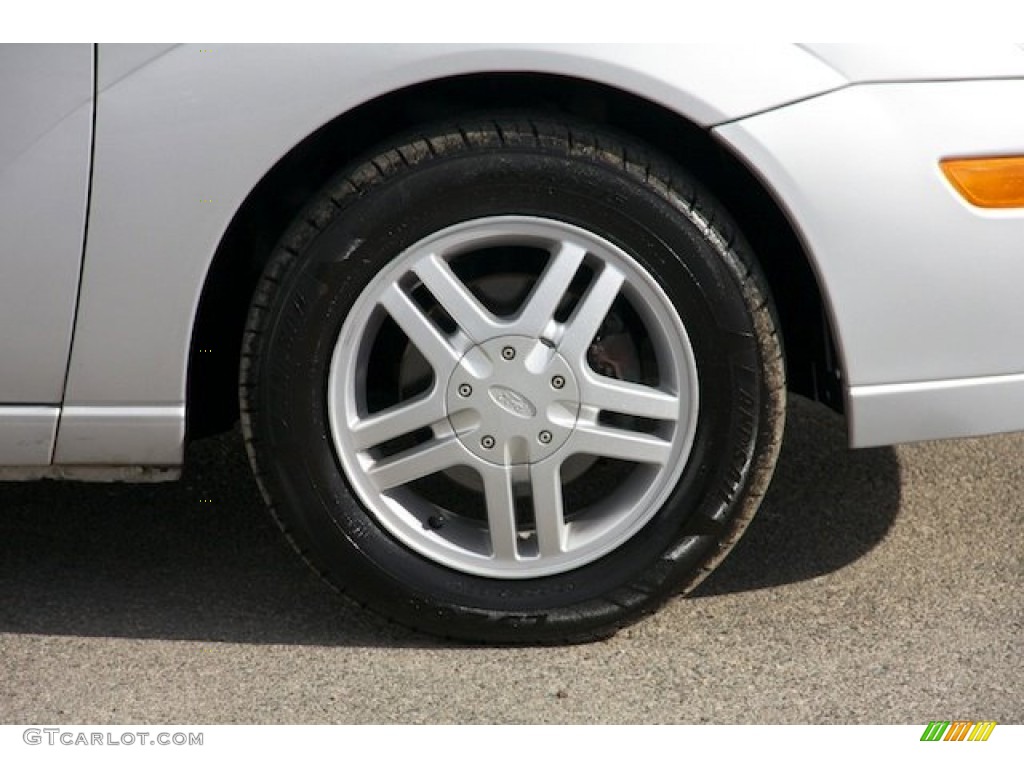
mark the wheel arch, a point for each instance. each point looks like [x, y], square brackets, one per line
[280, 194]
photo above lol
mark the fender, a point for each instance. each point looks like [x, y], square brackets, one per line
[184, 134]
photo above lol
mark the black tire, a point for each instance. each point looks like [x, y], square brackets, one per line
[322, 360]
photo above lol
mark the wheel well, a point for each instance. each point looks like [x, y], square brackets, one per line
[212, 402]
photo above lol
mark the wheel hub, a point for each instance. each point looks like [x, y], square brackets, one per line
[513, 400]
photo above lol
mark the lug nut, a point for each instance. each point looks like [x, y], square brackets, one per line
[465, 390]
[508, 353]
[487, 442]
[544, 437]
[558, 382]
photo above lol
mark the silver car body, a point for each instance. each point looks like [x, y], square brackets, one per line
[146, 153]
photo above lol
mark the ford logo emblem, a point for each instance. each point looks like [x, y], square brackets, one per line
[513, 402]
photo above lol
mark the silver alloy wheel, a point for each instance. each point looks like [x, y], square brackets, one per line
[513, 398]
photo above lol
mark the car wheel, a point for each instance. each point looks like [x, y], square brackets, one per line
[514, 380]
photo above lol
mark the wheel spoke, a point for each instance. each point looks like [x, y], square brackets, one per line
[551, 287]
[628, 398]
[398, 420]
[501, 511]
[462, 306]
[613, 443]
[585, 322]
[548, 514]
[423, 334]
[418, 462]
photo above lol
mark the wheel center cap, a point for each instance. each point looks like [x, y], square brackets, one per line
[513, 400]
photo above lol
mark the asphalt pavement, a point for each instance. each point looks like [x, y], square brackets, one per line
[875, 586]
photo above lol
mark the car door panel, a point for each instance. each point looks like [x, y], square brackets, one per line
[45, 139]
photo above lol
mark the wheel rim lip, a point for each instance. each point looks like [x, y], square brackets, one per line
[401, 513]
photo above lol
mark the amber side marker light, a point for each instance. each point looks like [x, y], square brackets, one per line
[987, 182]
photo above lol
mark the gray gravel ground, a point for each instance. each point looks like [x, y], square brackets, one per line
[876, 586]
